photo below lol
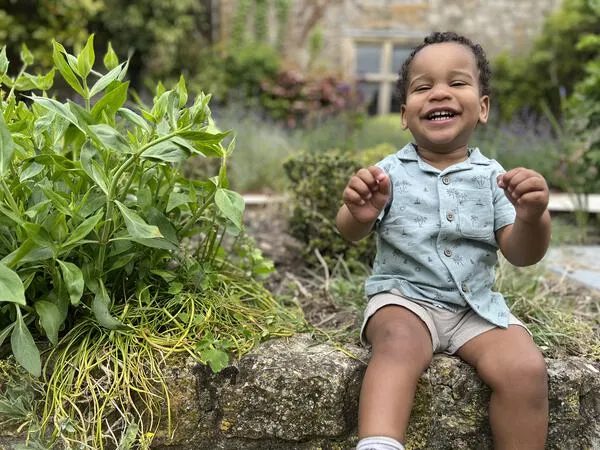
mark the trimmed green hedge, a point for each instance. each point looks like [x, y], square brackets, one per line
[317, 182]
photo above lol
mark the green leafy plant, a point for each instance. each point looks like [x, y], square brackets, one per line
[548, 73]
[110, 259]
[317, 182]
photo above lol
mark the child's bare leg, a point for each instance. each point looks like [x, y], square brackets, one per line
[509, 362]
[401, 351]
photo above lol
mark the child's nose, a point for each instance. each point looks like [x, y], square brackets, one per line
[439, 92]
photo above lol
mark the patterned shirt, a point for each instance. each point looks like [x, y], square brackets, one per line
[436, 237]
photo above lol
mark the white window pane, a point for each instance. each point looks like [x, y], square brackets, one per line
[368, 58]
[399, 54]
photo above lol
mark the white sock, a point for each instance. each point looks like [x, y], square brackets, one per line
[379, 443]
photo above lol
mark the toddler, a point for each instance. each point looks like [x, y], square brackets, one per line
[441, 209]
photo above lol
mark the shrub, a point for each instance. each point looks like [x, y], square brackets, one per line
[317, 182]
[110, 257]
[298, 100]
[549, 72]
[583, 124]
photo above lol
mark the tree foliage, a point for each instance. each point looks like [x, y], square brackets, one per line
[549, 72]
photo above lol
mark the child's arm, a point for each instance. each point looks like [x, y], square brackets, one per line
[525, 242]
[365, 195]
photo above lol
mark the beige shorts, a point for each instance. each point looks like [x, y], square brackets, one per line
[449, 330]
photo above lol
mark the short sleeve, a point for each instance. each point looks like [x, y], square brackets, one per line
[504, 211]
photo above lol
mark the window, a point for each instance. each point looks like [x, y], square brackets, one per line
[376, 70]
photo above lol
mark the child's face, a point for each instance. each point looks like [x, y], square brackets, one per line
[443, 104]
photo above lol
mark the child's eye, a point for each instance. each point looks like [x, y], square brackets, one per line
[421, 88]
[458, 83]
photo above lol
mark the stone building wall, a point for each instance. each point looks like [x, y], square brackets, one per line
[498, 25]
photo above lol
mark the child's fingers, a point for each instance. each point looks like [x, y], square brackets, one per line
[367, 177]
[350, 196]
[360, 187]
[505, 179]
[530, 184]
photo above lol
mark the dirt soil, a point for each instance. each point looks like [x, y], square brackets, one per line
[267, 224]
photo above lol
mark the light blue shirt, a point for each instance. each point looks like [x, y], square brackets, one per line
[436, 237]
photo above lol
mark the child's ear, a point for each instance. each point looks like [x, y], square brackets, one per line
[403, 120]
[484, 111]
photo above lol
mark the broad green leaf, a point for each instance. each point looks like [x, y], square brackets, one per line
[72, 61]
[26, 55]
[136, 119]
[93, 201]
[30, 171]
[105, 80]
[165, 151]
[58, 55]
[73, 278]
[11, 286]
[50, 319]
[155, 217]
[28, 82]
[223, 181]
[112, 101]
[85, 59]
[97, 174]
[216, 359]
[27, 252]
[231, 204]
[111, 138]
[204, 136]
[58, 201]
[182, 91]
[7, 147]
[6, 332]
[136, 226]
[39, 235]
[56, 107]
[230, 147]
[3, 63]
[177, 199]
[100, 305]
[159, 109]
[23, 347]
[84, 228]
[121, 261]
[209, 149]
[110, 58]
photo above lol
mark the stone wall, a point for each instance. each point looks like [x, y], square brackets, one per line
[499, 25]
[297, 394]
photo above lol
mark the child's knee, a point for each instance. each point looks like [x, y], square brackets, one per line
[525, 375]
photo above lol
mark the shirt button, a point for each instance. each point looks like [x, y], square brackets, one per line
[450, 216]
[465, 287]
[446, 180]
[448, 252]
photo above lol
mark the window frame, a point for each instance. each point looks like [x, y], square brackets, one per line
[385, 77]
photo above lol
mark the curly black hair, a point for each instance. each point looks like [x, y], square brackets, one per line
[440, 37]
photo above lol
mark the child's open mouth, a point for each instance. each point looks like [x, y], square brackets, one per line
[440, 116]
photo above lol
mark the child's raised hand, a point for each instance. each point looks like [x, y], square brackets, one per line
[367, 193]
[527, 191]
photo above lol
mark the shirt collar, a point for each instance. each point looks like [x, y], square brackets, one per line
[409, 153]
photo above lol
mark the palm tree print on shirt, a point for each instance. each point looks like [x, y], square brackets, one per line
[480, 181]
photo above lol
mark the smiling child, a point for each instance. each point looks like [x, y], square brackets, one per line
[441, 210]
